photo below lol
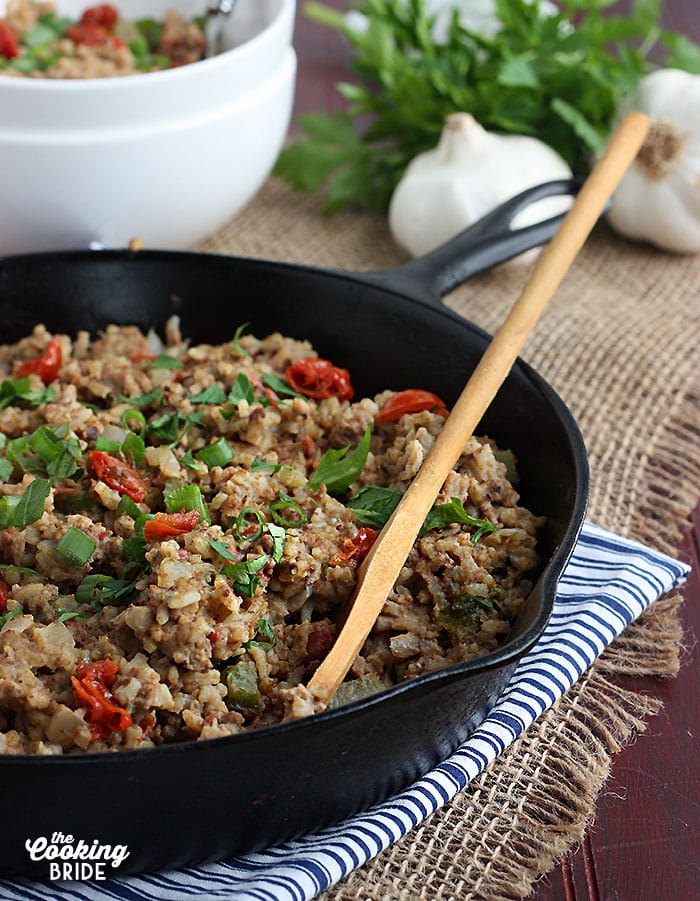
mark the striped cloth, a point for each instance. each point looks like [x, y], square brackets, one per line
[607, 584]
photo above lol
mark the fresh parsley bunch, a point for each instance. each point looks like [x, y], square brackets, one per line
[557, 77]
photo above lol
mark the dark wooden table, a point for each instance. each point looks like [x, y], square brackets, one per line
[645, 841]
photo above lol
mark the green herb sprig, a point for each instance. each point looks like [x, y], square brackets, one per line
[559, 78]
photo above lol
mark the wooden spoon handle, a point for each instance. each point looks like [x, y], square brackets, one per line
[383, 565]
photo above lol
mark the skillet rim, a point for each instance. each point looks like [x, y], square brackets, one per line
[508, 654]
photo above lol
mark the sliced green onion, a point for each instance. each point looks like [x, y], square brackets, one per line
[129, 506]
[134, 448]
[129, 417]
[217, 454]
[31, 503]
[287, 503]
[109, 447]
[242, 522]
[16, 611]
[187, 497]
[76, 546]
[8, 505]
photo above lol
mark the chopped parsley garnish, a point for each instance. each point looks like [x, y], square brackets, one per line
[189, 461]
[153, 398]
[279, 386]
[13, 391]
[211, 395]
[338, 469]
[235, 341]
[264, 637]
[242, 389]
[373, 505]
[100, 591]
[22, 510]
[164, 361]
[244, 574]
[279, 537]
[454, 512]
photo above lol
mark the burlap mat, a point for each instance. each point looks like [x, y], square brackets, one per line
[619, 342]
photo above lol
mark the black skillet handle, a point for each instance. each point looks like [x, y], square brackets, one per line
[486, 243]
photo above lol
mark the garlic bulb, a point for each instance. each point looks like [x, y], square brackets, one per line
[470, 172]
[658, 199]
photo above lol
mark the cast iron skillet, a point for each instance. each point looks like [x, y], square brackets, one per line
[180, 804]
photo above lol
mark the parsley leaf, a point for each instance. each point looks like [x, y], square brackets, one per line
[279, 386]
[244, 574]
[338, 469]
[165, 361]
[241, 389]
[211, 395]
[373, 505]
[557, 77]
[264, 631]
[454, 512]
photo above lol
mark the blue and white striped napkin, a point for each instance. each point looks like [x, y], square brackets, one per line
[607, 584]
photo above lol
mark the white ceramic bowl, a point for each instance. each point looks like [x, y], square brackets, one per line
[166, 156]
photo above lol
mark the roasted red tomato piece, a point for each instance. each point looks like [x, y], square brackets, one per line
[413, 400]
[4, 594]
[92, 35]
[118, 475]
[46, 366]
[355, 548]
[104, 14]
[319, 379]
[91, 686]
[166, 525]
[9, 45]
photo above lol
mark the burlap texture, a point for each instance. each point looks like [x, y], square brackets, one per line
[619, 342]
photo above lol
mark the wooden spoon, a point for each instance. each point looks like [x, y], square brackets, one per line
[381, 567]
